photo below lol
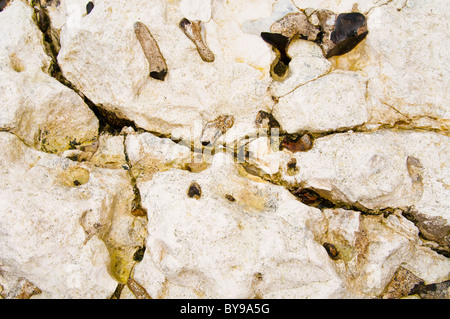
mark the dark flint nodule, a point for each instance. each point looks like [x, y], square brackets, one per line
[280, 43]
[350, 29]
[194, 190]
[158, 66]
[89, 7]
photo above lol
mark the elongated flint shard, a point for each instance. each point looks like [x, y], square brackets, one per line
[192, 30]
[350, 29]
[158, 66]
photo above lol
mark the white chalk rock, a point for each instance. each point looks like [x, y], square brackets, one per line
[56, 217]
[41, 111]
[409, 76]
[218, 234]
[103, 58]
[278, 10]
[334, 101]
[149, 154]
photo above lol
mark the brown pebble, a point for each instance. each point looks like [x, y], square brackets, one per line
[89, 7]
[331, 250]
[266, 121]
[193, 31]
[303, 144]
[158, 66]
[280, 43]
[194, 190]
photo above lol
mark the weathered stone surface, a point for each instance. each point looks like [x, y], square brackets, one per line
[149, 154]
[142, 203]
[258, 244]
[407, 77]
[332, 102]
[371, 250]
[56, 217]
[110, 152]
[371, 171]
[401, 284]
[41, 111]
[100, 56]
[349, 30]
[307, 64]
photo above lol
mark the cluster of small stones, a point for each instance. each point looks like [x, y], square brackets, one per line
[118, 137]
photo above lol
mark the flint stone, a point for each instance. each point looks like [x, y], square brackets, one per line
[372, 251]
[307, 64]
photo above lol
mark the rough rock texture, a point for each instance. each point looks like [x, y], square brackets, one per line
[34, 105]
[221, 178]
[308, 107]
[262, 227]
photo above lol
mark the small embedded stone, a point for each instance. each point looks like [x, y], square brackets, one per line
[415, 168]
[311, 198]
[280, 43]
[401, 284]
[28, 290]
[194, 190]
[158, 66]
[350, 29]
[302, 144]
[230, 198]
[192, 30]
[139, 254]
[139, 212]
[266, 121]
[3, 4]
[440, 290]
[331, 250]
[295, 24]
[214, 129]
[89, 7]
[137, 289]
